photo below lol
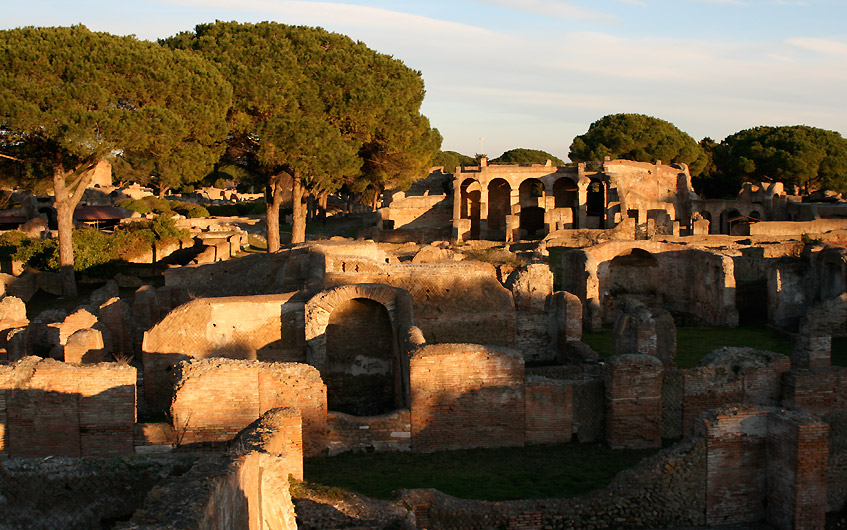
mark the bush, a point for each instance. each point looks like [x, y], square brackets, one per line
[135, 205]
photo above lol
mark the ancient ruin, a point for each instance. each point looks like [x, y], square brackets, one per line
[459, 324]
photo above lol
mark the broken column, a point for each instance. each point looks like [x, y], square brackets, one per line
[643, 330]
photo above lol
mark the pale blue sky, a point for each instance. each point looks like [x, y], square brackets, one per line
[535, 73]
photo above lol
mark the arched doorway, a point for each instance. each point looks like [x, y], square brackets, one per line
[471, 197]
[595, 204]
[635, 274]
[566, 194]
[728, 218]
[360, 356]
[532, 207]
[499, 193]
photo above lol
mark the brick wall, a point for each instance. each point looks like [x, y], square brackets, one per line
[386, 432]
[466, 395]
[54, 408]
[277, 432]
[766, 464]
[548, 414]
[731, 376]
[216, 398]
[816, 392]
[634, 401]
[797, 459]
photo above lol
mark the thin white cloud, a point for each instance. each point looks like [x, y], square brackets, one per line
[638, 3]
[723, 2]
[556, 9]
[822, 46]
[789, 3]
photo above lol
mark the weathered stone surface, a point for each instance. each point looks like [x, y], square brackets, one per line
[86, 346]
[642, 330]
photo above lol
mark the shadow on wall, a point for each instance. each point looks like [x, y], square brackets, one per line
[43, 423]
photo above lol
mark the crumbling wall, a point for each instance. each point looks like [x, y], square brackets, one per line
[665, 489]
[263, 327]
[639, 329]
[694, 283]
[531, 286]
[214, 399]
[466, 395]
[460, 302]
[80, 493]
[766, 464]
[732, 376]
[54, 408]
[281, 272]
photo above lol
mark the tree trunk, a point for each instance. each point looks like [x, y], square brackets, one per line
[273, 198]
[67, 196]
[298, 225]
[322, 200]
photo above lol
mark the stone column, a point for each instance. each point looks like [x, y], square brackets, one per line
[457, 206]
[483, 210]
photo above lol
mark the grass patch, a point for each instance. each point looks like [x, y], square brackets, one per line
[694, 343]
[839, 351]
[535, 472]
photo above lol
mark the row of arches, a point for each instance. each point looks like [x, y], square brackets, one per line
[487, 206]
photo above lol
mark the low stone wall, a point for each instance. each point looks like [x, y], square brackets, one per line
[466, 395]
[54, 408]
[386, 432]
[80, 493]
[665, 489]
[214, 399]
[795, 228]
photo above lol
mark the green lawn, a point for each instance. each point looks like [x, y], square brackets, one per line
[535, 472]
[693, 343]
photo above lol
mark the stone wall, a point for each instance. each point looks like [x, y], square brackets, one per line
[822, 391]
[453, 302]
[386, 432]
[214, 399]
[263, 327]
[732, 376]
[466, 395]
[662, 490]
[53, 408]
[697, 285]
[531, 286]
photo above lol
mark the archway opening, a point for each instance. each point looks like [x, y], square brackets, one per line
[566, 195]
[360, 357]
[471, 197]
[532, 207]
[499, 193]
[595, 204]
[634, 274]
[729, 218]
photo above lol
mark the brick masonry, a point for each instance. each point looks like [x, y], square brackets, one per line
[216, 398]
[387, 432]
[466, 395]
[634, 401]
[53, 408]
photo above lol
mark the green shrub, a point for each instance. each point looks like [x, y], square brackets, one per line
[135, 205]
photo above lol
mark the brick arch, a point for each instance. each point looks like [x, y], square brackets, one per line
[398, 304]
